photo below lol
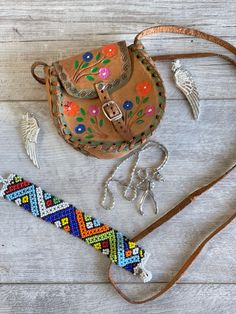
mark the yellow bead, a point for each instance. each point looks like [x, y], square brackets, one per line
[64, 221]
[132, 245]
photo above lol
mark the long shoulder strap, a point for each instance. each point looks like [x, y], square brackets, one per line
[195, 253]
[185, 31]
[198, 192]
[190, 32]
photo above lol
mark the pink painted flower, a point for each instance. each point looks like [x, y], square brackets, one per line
[93, 110]
[104, 73]
[149, 110]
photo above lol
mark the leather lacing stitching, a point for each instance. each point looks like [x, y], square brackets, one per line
[55, 89]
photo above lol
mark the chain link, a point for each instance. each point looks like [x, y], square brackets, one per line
[140, 178]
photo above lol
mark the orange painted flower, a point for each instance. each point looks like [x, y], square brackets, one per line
[110, 50]
[143, 88]
[70, 108]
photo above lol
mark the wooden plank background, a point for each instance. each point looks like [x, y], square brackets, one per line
[43, 270]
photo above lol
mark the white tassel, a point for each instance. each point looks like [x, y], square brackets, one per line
[141, 271]
[5, 183]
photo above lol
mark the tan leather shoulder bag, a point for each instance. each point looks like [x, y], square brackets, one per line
[107, 101]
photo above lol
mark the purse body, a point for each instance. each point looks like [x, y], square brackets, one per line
[106, 102]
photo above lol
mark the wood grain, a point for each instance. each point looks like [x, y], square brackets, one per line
[100, 298]
[73, 20]
[198, 152]
[43, 270]
[215, 78]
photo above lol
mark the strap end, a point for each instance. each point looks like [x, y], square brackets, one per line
[4, 183]
[141, 271]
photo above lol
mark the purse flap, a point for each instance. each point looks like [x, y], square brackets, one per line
[109, 64]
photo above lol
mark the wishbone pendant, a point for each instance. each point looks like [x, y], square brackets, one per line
[147, 192]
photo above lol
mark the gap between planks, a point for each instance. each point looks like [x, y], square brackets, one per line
[105, 34]
[118, 282]
[171, 99]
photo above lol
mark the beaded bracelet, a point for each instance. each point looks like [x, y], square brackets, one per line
[110, 242]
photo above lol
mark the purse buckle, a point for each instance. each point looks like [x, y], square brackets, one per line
[111, 110]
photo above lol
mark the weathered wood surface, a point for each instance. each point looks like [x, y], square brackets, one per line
[208, 148]
[45, 270]
[73, 20]
[100, 298]
[215, 78]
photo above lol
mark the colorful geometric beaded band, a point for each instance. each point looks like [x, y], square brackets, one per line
[110, 242]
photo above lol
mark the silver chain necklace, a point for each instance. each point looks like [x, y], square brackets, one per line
[141, 179]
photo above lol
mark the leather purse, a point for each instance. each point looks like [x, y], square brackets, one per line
[107, 101]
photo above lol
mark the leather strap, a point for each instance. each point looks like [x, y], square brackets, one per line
[195, 253]
[185, 31]
[171, 57]
[198, 192]
[180, 206]
[36, 64]
[191, 32]
[113, 112]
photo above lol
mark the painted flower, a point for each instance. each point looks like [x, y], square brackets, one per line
[110, 50]
[93, 110]
[104, 73]
[70, 108]
[127, 105]
[143, 88]
[87, 56]
[80, 128]
[149, 110]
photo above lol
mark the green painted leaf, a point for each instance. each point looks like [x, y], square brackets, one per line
[76, 64]
[84, 65]
[89, 77]
[145, 99]
[90, 130]
[83, 111]
[101, 122]
[98, 56]
[140, 113]
[79, 119]
[94, 69]
[89, 136]
[105, 61]
[92, 120]
[137, 100]
[130, 114]
[140, 121]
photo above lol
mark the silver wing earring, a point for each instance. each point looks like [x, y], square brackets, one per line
[30, 130]
[186, 84]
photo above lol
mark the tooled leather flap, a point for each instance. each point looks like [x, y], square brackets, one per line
[109, 64]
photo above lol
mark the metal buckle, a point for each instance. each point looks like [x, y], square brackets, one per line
[117, 116]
